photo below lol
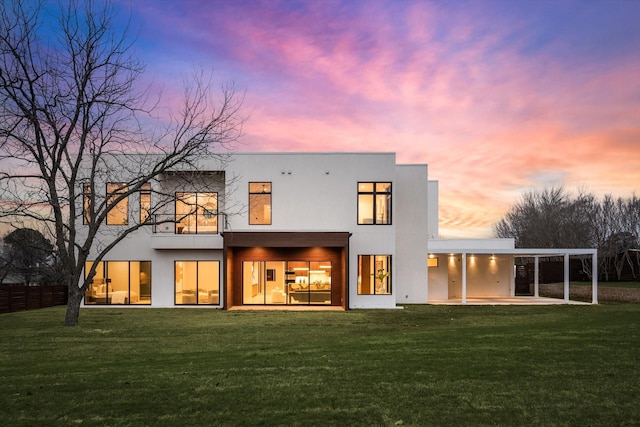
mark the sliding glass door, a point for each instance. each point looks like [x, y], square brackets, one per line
[286, 282]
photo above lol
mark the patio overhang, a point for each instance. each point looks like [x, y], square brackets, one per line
[447, 248]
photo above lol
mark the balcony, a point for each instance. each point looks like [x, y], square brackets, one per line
[196, 231]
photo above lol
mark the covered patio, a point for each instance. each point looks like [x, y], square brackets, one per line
[483, 271]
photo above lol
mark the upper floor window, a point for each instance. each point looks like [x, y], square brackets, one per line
[259, 203]
[145, 202]
[86, 203]
[196, 213]
[374, 203]
[118, 214]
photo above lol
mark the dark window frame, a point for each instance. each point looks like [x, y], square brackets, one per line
[374, 193]
[145, 214]
[195, 214]
[197, 293]
[105, 274]
[262, 193]
[122, 188]
[389, 272]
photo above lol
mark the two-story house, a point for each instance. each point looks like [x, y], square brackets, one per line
[343, 230]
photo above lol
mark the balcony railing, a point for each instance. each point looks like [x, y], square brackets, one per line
[189, 224]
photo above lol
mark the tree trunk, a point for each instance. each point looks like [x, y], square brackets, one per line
[73, 305]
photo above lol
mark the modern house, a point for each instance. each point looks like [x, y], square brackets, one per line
[343, 230]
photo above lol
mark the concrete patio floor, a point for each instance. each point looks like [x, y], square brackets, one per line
[506, 301]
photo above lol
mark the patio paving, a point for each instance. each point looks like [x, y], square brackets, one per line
[506, 301]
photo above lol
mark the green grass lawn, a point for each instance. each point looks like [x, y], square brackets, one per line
[609, 284]
[425, 365]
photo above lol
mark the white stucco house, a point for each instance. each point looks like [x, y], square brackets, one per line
[343, 230]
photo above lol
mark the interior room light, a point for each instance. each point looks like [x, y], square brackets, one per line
[317, 271]
[300, 269]
[325, 266]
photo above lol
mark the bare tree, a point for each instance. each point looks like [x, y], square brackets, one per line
[548, 218]
[71, 106]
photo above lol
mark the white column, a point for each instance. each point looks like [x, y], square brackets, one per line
[594, 278]
[464, 277]
[566, 277]
[536, 275]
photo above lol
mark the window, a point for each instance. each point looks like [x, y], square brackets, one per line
[145, 202]
[196, 213]
[374, 203]
[286, 282]
[119, 282]
[118, 213]
[374, 274]
[86, 203]
[259, 203]
[197, 282]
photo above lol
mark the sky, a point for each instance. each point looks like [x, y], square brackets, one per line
[498, 97]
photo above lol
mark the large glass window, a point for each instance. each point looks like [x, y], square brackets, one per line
[374, 203]
[145, 202]
[118, 214]
[119, 282]
[196, 213]
[374, 274]
[259, 203]
[197, 282]
[286, 282]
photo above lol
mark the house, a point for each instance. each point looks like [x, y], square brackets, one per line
[342, 230]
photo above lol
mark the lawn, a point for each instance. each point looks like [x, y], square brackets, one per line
[425, 365]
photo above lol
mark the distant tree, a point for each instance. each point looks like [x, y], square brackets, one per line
[548, 218]
[553, 218]
[27, 254]
[70, 106]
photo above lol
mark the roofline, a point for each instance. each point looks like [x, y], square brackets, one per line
[520, 252]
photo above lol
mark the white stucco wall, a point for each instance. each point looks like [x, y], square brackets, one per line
[410, 199]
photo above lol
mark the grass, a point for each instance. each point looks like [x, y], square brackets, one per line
[609, 284]
[425, 365]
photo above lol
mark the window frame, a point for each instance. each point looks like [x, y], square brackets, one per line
[122, 205]
[180, 196]
[373, 258]
[145, 195]
[87, 203]
[374, 193]
[262, 193]
[197, 278]
[106, 275]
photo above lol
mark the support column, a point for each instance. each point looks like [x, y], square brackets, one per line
[464, 278]
[566, 278]
[536, 277]
[594, 278]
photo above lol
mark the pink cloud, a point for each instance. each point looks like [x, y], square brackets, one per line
[457, 89]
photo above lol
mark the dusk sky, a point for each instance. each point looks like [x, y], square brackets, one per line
[497, 97]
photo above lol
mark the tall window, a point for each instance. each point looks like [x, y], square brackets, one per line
[197, 282]
[196, 213]
[145, 202]
[374, 274]
[86, 203]
[374, 203]
[260, 203]
[119, 282]
[119, 213]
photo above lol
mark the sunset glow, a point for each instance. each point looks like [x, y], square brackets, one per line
[498, 97]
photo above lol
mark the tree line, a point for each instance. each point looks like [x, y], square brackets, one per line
[555, 218]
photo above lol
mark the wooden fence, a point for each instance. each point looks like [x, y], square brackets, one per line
[18, 298]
